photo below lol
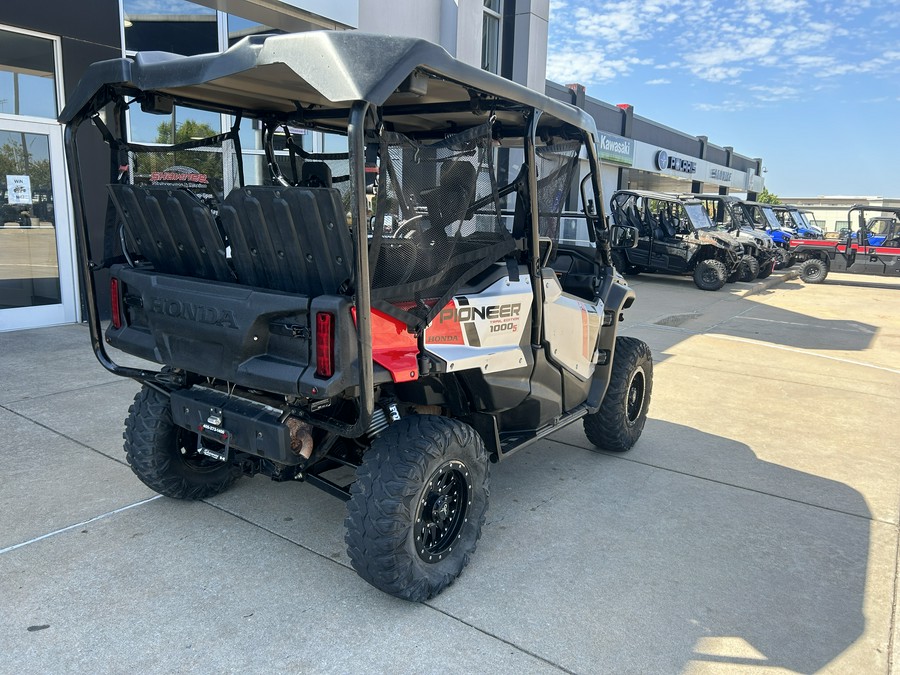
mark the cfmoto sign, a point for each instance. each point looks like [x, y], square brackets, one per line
[665, 161]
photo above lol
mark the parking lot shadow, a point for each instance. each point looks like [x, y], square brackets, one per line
[617, 564]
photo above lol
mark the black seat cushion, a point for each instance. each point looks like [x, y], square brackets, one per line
[292, 239]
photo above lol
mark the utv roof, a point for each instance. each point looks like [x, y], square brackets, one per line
[298, 75]
[710, 195]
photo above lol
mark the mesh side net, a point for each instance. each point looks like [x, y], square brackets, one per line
[312, 169]
[437, 222]
[556, 167]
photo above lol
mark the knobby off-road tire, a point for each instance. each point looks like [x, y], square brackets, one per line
[417, 506]
[164, 456]
[710, 274]
[619, 422]
[813, 271]
[749, 269]
[765, 270]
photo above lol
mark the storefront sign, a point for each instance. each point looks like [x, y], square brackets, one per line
[666, 161]
[616, 149]
[755, 183]
[724, 175]
[18, 189]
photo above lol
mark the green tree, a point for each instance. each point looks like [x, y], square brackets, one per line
[206, 160]
[767, 197]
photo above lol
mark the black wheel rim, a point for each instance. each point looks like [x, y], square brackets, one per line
[813, 272]
[442, 510]
[634, 401]
[710, 276]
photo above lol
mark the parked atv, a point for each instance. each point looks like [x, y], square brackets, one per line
[300, 336]
[763, 217]
[727, 214]
[676, 237]
[856, 252]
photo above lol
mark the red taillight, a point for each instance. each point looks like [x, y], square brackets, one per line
[324, 344]
[115, 298]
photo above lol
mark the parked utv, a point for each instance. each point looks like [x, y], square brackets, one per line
[855, 253]
[881, 229]
[727, 214]
[299, 335]
[794, 221]
[763, 217]
[675, 237]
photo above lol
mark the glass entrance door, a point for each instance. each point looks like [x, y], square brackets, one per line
[37, 280]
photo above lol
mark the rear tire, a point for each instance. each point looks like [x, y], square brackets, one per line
[164, 456]
[417, 506]
[813, 271]
[709, 275]
[618, 424]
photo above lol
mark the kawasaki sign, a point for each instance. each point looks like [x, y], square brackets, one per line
[616, 149]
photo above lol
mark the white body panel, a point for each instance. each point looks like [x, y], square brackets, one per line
[484, 330]
[571, 326]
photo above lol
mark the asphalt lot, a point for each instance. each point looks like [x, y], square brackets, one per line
[754, 528]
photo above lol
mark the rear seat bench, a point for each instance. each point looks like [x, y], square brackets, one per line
[290, 239]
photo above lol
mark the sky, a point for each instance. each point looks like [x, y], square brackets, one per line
[812, 87]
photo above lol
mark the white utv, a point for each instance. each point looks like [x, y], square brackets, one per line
[299, 334]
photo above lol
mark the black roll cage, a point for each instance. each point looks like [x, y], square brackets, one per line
[362, 116]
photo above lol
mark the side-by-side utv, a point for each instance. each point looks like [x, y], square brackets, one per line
[402, 306]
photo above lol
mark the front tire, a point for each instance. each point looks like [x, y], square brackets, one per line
[813, 271]
[710, 274]
[749, 269]
[417, 506]
[784, 260]
[164, 456]
[765, 270]
[620, 261]
[618, 424]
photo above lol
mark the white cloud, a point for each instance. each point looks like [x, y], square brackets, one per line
[771, 43]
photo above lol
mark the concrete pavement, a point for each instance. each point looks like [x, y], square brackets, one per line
[754, 528]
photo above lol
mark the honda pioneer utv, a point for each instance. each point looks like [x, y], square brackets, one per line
[676, 237]
[301, 335]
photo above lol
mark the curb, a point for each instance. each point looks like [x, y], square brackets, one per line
[766, 284]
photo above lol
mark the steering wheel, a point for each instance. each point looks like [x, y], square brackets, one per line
[405, 230]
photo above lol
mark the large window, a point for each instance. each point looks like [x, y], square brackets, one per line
[490, 37]
[27, 82]
[183, 27]
[175, 26]
[239, 28]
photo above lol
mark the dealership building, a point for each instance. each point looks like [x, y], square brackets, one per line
[45, 46]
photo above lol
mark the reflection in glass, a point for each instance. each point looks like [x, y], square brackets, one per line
[27, 84]
[175, 26]
[188, 124]
[29, 270]
[239, 28]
